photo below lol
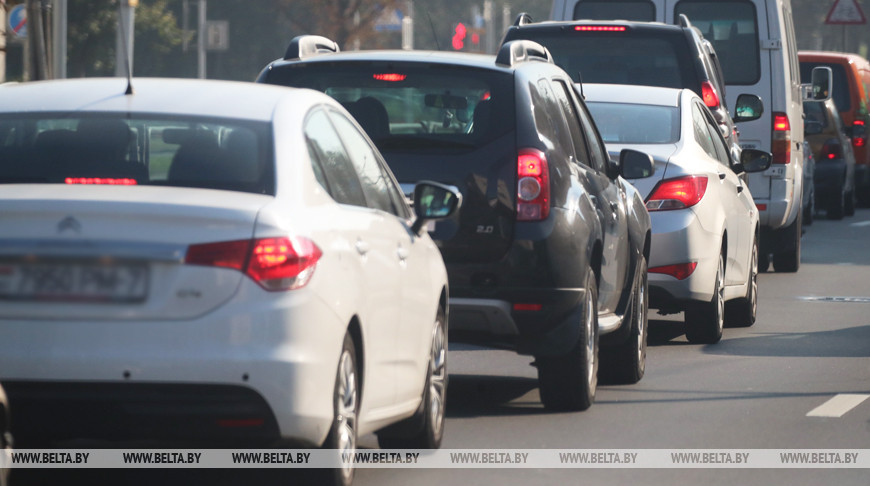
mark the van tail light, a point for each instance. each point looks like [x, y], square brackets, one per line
[859, 133]
[832, 150]
[533, 185]
[274, 263]
[781, 139]
[680, 193]
[709, 94]
[679, 271]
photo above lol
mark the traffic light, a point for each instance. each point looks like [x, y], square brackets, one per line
[459, 34]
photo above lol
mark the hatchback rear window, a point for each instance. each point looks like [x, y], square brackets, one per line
[840, 90]
[731, 27]
[414, 105]
[636, 10]
[632, 123]
[133, 150]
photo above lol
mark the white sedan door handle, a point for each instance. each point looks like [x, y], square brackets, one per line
[403, 253]
[362, 247]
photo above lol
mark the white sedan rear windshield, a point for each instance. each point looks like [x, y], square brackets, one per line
[628, 123]
[206, 153]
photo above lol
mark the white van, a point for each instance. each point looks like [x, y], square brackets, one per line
[756, 45]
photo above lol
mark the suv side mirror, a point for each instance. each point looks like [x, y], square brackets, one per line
[753, 160]
[749, 107]
[820, 88]
[635, 165]
[434, 201]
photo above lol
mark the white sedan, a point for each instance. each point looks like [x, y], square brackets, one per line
[704, 249]
[213, 260]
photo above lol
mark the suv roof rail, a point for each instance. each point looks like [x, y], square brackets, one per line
[517, 51]
[523, 19]
[684, 21]
[304, 46]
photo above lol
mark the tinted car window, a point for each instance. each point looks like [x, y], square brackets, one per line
[563, 94]
[731, 27]
[548, 107]
[138, 149]
[841, 85]
[376, 182]
[629, 57]
[630, 123]
[643, 11]
[596, 147]
[702, 135]
[323, 141]
[414, 104]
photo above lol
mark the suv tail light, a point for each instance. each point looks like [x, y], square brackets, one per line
[859, 133]
[680, 193]
[533, 185]
[832, 150]
[708, 92]
[679, 271]
[274, 263]
[781, 139]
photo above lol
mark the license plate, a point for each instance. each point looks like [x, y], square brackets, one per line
[74, 282]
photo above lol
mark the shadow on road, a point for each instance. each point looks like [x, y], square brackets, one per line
[477, 395]
[851, 342]
[663, 333]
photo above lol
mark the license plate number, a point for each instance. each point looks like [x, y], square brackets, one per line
[74, 282]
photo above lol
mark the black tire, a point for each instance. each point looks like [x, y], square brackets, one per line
[837, 206]
[568, 382]
[763, 261]
[625, 363]
[742, 312]
[789, 261]
[343, 433]
[425, 428]
[849, 205]
[705, 321]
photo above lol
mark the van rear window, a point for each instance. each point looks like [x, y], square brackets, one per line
[732, 29]
[634, 10]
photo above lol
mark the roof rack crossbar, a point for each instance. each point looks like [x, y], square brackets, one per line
[517, 51]
[304, 46]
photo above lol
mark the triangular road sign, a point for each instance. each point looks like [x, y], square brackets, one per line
[846, 12]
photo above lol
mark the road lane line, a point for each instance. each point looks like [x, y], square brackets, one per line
[861, 223]
[838, 406]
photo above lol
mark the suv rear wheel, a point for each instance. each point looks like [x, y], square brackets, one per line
[568, 382]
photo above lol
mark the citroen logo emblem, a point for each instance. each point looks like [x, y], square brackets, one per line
[69, 223]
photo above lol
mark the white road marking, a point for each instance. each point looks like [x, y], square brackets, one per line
[861, 223]
[838, 406]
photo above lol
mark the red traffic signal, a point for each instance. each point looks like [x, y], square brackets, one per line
[459, 36]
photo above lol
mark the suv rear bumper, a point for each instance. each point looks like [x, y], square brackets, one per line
[550, 331]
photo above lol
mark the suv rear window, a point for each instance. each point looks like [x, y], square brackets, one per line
[635, 10]
[646, 57]
[413, 105]
[841, 85]
[731, 27]
[205, 153]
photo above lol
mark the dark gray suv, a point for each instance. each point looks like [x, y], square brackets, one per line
[550, 246]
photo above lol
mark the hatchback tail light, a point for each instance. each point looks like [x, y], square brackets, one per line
[274, 263]
[781, 139]
[680, 193]
[533, 186]
[708, 92]
[831, 150]
[859, 133]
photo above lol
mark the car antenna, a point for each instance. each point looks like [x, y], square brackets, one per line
[128, 69]
[432, 26]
